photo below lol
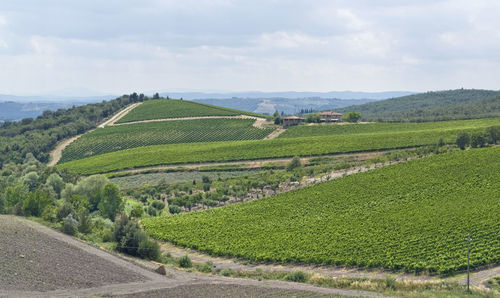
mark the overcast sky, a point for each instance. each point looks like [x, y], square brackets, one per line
[118, 46]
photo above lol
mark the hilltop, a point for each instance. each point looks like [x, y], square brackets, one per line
[432, 106]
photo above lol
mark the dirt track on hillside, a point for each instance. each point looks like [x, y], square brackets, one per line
[56, 154]
[37, 261]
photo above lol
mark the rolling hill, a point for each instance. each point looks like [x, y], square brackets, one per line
[360, 137]
[172, 108]
[432, 106]
[115, 138]
[412, 216]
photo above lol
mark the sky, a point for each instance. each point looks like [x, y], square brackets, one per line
[120, 46]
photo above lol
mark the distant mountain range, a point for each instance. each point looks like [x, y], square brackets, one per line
[14, 107]
[288, 102]
[288, 95]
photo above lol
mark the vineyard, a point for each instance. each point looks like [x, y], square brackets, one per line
[412, 216]
[171, 108]
[322, 130]
[114, 138]
[255, 149]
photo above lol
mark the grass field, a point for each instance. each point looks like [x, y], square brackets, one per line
[172, 108]
[335, 129]
[411, 216]
[114, 138]
[261, 149]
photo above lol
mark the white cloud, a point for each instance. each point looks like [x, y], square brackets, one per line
[121, 45]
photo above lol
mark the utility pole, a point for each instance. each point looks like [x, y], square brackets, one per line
[468, 239]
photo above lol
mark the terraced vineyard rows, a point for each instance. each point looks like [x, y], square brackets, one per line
[322, 130]
[171, 108]
[412, 216]
[114, 138]
[261, 149]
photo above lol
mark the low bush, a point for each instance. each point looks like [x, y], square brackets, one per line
[296, 276]
[185, 262]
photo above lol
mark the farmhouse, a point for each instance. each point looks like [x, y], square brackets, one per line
[330, 116]
[291, 121]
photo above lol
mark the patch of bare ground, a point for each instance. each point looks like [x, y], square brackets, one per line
[275, 134]
[225, 290]
[36, 261]
[31, 260]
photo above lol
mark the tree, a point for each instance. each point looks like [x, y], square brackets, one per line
[111, 202]
[70, 225]
[463, 140]
[35, 203]
[477, 140]
[57, 183]
[352, 117]
[156, 96]
[31, 180]
[493, 133]
[91, 188]
[293, 164]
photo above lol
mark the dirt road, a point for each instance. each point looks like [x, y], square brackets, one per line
[56, 154]
[37, 261]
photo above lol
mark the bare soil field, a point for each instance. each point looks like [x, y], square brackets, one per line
[226, 290]
[33, 261]
[36, 261]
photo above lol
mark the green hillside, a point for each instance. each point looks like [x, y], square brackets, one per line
[172, 108]
[281, 147]
[412, 216]
[378, 127]
[432, 106]
[114, 138]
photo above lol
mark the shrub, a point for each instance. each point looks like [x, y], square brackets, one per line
[35, 203]
[111, 202]
[159, 205]
[463, 140]
[352, 117]
[477, 140]
[185, 262]
[85, 222]
[70, 225]
[206, 267]
[174, 209]
[49, 213]
[390, 283]
[293, 164]
[226, 272]
[63, 211]
[152, 211]
[296, 276]
[137, 211]
[2, 203]
[149, 249]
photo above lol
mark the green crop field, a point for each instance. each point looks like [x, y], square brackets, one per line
[172, 108]
[114, 138]
[412, 216]
[335, 129]
[261, 149]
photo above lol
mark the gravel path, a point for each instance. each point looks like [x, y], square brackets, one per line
[258, 123]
